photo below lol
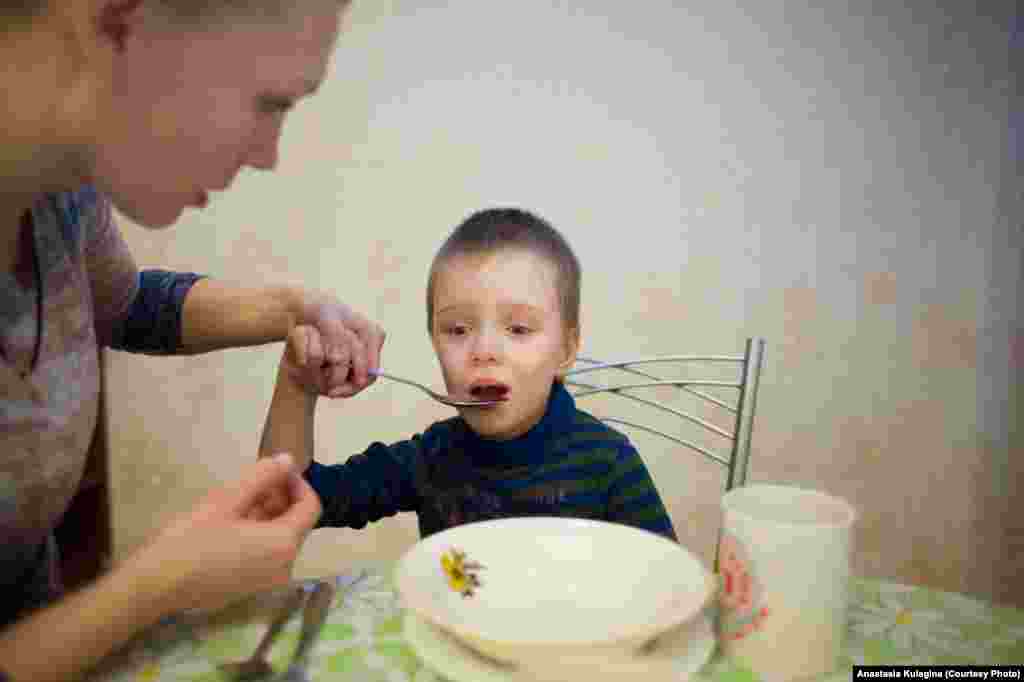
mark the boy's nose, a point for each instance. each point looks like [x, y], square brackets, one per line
[486, 348]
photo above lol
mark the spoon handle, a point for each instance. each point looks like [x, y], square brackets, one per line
[294, 601]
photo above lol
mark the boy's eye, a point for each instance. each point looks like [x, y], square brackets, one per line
[519, 329]
[455, 330]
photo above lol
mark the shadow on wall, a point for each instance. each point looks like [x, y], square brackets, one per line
[1003, 551]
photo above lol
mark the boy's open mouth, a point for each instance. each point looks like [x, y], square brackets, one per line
[489, 391]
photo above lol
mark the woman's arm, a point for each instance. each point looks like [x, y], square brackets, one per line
[218, 315]
[227, 547]
[221, 315]
[60, 641]
[163, 312]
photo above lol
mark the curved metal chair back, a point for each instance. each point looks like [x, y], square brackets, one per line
[737, 461]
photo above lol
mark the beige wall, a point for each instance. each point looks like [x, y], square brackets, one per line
[836, 180]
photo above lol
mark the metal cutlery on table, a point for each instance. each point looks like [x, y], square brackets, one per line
[318, 605]
[257, 666]
[317, 596]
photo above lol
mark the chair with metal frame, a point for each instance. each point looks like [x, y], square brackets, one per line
[750, 364]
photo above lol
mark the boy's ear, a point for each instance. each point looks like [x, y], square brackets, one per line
[572, 348]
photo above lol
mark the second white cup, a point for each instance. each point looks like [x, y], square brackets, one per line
[784, 558]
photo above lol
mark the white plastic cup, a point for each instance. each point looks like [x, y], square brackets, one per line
[784, 558]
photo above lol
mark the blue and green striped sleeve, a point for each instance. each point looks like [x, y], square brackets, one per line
[368, 486]
[633, 498]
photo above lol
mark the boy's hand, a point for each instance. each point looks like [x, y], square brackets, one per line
[347, 346]
[305, 361]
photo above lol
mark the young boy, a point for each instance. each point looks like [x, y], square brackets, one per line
[503, 303]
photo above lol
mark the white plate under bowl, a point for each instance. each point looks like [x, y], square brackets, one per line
[442, 653]
[552, 586]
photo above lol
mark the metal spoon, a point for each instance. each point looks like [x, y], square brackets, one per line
[257, 665]
[313, 618]
[439, 397]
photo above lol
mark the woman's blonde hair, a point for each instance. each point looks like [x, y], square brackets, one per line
[20, 13]
[15, 13]
[190, 13]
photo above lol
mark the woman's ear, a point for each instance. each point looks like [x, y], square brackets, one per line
[85, 55]
[117, 19]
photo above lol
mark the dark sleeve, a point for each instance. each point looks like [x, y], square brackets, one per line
[369, 486]
[153, 322]
[632, 497]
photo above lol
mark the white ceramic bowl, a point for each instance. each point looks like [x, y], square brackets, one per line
[553, 586]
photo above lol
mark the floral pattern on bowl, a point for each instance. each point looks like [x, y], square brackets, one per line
[460, 572]
[889, 624]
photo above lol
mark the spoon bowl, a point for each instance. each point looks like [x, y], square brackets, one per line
[439, 397]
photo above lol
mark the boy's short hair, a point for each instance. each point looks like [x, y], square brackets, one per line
[496, 229]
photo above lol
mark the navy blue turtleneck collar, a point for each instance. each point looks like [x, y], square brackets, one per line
[529, 448]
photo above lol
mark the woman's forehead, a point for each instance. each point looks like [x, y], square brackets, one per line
[270, 60]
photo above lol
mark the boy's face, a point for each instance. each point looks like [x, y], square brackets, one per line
[498, 330]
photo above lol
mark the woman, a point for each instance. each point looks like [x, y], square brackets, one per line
[148, 105]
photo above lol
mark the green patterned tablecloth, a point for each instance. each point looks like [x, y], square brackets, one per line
[362, 639]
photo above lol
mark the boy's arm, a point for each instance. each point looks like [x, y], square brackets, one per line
[365, 488]
[370, 485]
[633, 498]
[289, 426]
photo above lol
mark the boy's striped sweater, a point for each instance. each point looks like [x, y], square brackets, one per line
[569, 464]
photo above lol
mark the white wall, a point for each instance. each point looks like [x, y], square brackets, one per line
[838, 180]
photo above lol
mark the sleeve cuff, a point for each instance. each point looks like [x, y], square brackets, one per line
[154, 321]
[316, 475]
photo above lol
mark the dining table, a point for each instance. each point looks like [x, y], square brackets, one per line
[364, 636]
